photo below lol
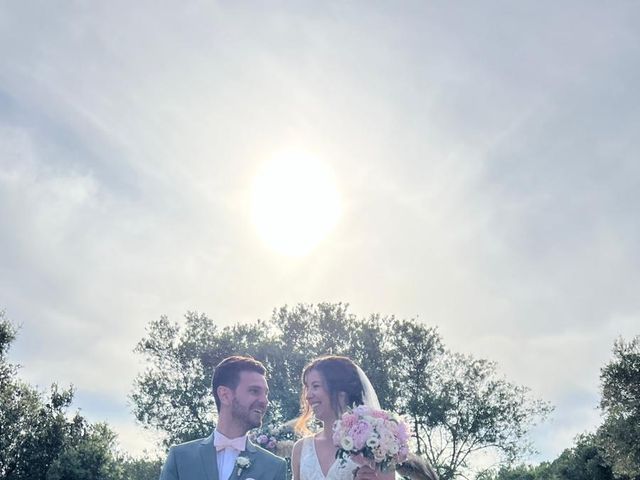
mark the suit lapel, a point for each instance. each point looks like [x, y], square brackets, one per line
[209, 458]
[250, 453]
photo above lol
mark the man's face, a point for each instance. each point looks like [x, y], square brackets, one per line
[250, 400]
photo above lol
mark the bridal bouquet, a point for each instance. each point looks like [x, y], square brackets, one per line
[379, 436]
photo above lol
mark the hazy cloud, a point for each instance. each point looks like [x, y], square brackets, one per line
[485, 155]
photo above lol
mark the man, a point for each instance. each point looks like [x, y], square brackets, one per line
[240, 391]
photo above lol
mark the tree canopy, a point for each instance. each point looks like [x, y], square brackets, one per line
[41, 440]
[613, 451]
[619, 434]
[458, 405]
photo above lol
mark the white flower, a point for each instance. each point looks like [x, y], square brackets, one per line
[346, 442]
[373, 441]
[242, 463]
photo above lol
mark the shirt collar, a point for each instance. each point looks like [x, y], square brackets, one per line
[219, 437]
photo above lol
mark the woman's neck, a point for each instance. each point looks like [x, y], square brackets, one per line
[327, 428]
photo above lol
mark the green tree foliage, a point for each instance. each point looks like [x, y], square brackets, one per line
[172, 394]
[619, 435]
[472, 409]
[33, 429]
[613, 452]
[40, 440]
[519, 472]
[584, 461]
[458, 405]
[139, 468]
[87, 454]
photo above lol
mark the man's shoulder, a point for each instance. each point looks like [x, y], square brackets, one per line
[268, 456]
[190, 445]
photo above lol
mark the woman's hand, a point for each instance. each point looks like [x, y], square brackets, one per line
[365, 472]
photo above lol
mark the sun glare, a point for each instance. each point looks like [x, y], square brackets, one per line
[295, 202]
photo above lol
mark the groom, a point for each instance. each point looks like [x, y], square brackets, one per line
[240, 391]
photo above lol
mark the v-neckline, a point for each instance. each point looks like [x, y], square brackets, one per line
[315, 453]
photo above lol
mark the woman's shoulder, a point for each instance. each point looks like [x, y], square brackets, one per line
[301, 441]
[297, 447]
[300, 458]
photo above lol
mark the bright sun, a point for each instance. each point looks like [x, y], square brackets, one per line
[295, 202]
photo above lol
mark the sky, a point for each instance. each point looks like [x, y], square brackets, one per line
[482, 157]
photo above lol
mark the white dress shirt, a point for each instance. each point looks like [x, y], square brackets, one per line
[227, 456]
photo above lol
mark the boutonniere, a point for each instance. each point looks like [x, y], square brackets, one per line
[242, 463]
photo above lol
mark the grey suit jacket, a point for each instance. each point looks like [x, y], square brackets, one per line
[196, 460]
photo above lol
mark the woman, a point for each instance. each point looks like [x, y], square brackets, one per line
[330, 385]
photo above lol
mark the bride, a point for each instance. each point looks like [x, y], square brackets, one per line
[330, 385]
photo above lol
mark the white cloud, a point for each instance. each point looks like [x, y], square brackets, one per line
[485, 155]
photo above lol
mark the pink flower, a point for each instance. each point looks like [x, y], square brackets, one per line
[361, 410]
[348, 420]
[360, 433]
[380, 414]
[403, 433]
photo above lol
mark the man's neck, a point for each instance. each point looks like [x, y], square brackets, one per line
[230, 429]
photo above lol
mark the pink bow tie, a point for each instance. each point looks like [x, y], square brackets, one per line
[237, 443]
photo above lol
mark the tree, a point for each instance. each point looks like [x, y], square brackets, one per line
[374, 346]
[619, 435]
[296, 335]
[139, 468]
[87, 454]
[414, 353]
[519, 472]
[32, 428]
[470, 409]
[38, 438]
[171, 395]
[612, 453]
[458, 404]
[582, 461]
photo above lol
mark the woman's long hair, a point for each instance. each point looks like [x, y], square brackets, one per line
[416, 468]
[340, 375]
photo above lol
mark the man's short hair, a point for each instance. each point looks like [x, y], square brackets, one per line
[227, 373]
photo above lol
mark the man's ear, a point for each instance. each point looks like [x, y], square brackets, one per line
[225, 394]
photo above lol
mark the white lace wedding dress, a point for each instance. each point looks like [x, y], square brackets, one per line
[310, 465]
